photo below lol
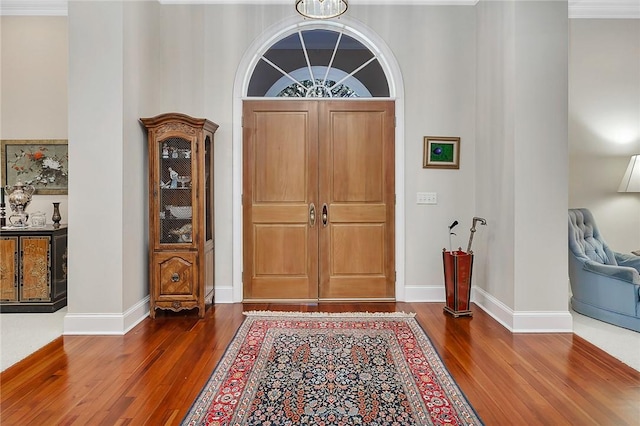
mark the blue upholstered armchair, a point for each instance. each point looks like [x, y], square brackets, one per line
[605, 284]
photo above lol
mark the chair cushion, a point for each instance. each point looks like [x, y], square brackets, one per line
[585, 238]
[627, 274]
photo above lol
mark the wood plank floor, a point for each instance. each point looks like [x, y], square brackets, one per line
[152, 375]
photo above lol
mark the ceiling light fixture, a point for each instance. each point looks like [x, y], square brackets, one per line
[321, 9]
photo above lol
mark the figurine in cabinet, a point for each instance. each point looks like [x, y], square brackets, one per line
[173, 177]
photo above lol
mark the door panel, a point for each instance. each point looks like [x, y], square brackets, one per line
[281, 166]
[356, 156]
[372, 212]
[280, 182]
[300, 155]
[358, 249]
[288, 241]
[357, 183]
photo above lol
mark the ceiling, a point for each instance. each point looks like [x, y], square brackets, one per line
[595, 9]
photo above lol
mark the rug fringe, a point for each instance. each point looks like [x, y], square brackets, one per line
[330, 314]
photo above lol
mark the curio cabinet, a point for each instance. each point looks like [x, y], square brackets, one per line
[181, 222]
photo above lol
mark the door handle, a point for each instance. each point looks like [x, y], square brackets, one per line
[325, 215]
[312, 215]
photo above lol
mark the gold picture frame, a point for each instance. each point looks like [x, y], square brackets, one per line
[43, 163]
[441, 152]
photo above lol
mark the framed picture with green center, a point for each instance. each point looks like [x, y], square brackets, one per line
[43, 163]
[441, 152]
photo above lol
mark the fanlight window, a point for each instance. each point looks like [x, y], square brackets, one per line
[319, 64]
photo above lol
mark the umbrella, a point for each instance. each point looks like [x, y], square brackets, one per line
[473, 230]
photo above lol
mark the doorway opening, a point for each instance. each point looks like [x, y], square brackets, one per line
[311, 77]
[318, 200]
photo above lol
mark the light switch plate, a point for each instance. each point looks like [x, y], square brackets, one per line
[427, 198]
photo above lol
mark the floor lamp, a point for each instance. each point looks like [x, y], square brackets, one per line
[631, 179]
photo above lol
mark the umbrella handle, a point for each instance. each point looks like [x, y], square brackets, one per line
[473, 230]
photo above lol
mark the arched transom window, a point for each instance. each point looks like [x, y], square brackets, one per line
[318, 64]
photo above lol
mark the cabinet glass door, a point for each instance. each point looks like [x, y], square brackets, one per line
[176, 199]
[208, 182]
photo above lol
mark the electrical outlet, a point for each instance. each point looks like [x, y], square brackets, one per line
[427, 198]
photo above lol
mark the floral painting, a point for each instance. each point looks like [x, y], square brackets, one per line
[41, 163]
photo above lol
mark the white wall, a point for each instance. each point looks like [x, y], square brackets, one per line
[115, 69]
[435, 48]
[494, 183]
[96, 207]
[129, 60]
[540, 156]
[33, 99]
[436, 52]
[142, 67]
[522, 160]
[604, 124]
[182, 49]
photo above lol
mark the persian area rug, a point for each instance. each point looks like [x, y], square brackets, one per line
[330, 369]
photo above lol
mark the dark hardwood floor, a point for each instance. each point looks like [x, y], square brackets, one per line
[152, 375]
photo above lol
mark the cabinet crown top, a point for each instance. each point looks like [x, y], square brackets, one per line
[177, 117]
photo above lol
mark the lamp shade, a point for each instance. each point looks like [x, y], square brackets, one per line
[321, 9]
[631, 179]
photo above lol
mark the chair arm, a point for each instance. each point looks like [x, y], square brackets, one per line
[630, 260]
[624, 273]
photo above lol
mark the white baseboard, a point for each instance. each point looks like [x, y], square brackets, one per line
[224, 295]
[524, 321]
[106, 324]
[136, 314]
[424, 294]
[516, 322]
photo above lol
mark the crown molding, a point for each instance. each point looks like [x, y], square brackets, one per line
[33, 7]
[604, 9]
[578, 9]
[351, 2]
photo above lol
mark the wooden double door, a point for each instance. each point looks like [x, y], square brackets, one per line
[318, 200]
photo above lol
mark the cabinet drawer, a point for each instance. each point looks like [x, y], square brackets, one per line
[35, 268]
[176, 277]
[8, 269]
